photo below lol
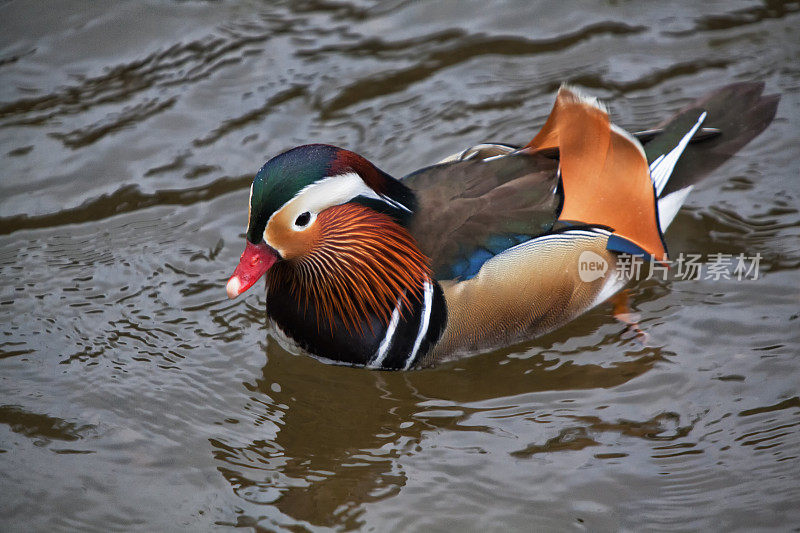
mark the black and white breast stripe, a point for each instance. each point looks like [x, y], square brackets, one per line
[383, 348]
[408, 338]
[400, 344]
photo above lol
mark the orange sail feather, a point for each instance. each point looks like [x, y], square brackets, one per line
[604, 172]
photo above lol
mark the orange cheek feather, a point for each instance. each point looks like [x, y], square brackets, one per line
[289, 243]
[355, 262]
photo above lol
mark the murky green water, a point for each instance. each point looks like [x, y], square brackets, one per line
[135, 396]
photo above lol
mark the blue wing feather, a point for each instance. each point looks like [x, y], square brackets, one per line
[468, 265]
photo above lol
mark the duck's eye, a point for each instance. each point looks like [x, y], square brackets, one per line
[303, 219]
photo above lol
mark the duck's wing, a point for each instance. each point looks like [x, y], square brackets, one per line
[527, 291]
[480, 203]
[609, 205]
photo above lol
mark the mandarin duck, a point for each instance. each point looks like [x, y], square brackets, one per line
[482, 249]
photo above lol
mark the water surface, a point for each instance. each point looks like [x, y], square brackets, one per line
[135, 396]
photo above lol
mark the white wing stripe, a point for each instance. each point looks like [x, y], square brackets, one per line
[669, 205]
[661, 169]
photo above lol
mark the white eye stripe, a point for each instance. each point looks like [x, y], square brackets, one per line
[330, 191]
[339, 189]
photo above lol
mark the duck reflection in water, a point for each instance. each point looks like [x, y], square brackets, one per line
[338, 436]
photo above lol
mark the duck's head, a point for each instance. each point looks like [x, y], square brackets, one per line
[310, 203]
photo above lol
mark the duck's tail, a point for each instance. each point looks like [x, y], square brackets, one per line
[610, 180]
[730, 117]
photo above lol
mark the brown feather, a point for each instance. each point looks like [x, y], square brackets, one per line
[463, 204]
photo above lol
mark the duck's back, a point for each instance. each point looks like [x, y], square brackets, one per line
[472, 210]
